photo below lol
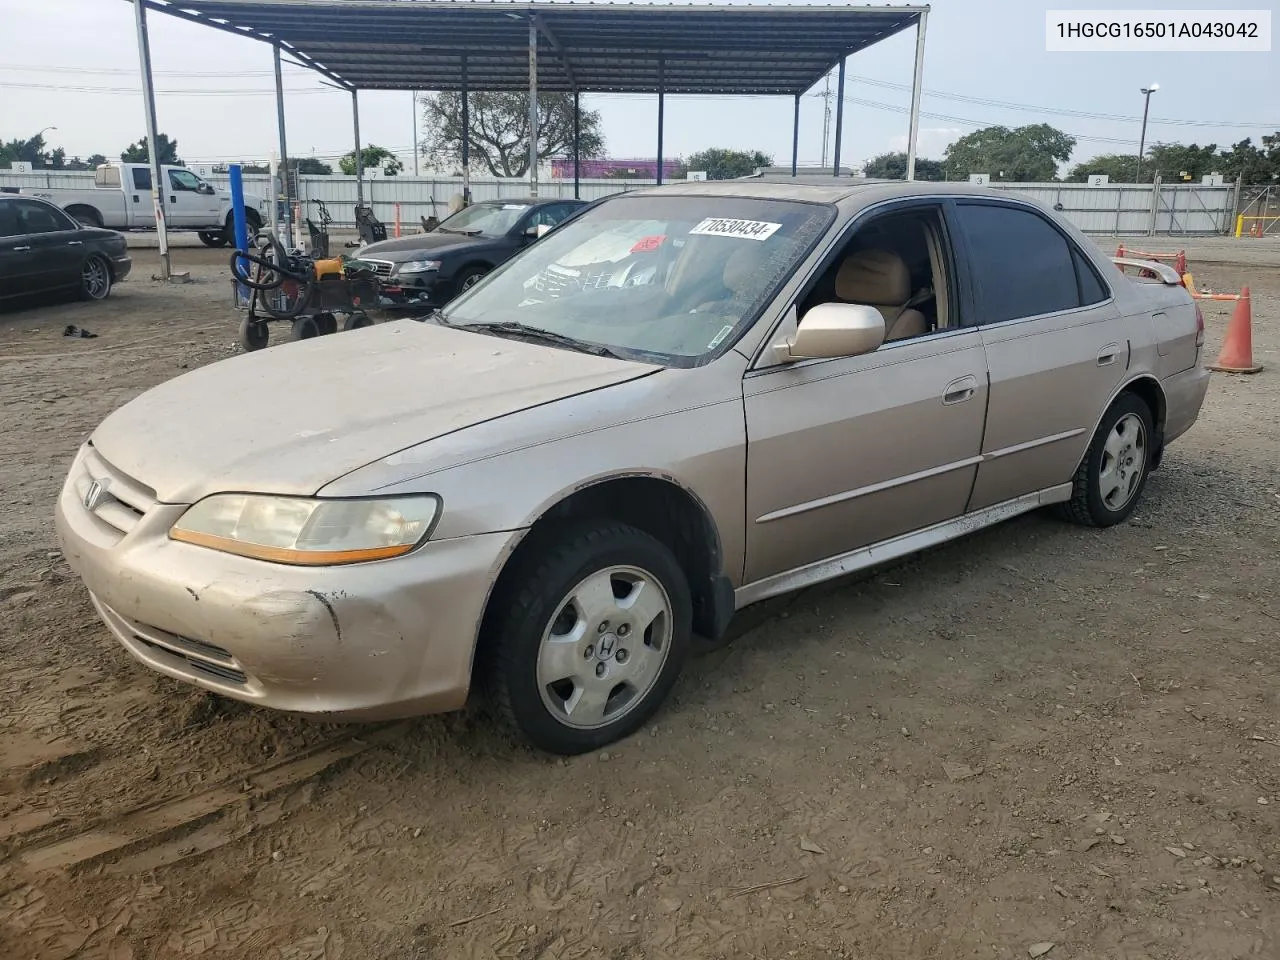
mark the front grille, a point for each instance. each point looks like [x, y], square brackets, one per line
[121, 501]
[381, 268]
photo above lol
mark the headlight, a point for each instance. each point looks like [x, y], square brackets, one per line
[418, 266]
[305, 531]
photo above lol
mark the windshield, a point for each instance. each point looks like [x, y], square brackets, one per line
[671, 279]
[485, 219]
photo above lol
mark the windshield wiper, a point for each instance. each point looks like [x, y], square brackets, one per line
[537, 334]
[468, 232]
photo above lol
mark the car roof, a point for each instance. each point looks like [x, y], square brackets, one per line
[862, 190]
[526, 201]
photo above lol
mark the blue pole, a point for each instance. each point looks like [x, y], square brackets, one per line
[238, 218]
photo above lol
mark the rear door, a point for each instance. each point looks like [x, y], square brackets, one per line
[55, 242]
[139, 206]
[16, 257]
[1057, 349]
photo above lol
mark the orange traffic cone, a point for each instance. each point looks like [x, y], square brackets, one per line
[1237, 348]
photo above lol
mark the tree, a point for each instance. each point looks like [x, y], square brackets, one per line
[1249, 163]
[721, 164]
[139, 153]
[95, 161]
[1119, 167]
[1030, 153]
[32, 151]
[499, 133]
[1179, 163]
[311, 167]
[893, 166]
[370, 157]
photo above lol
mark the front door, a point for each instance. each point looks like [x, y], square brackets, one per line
[16, 257]
[1056, 346]
[854, 451]
[187, 206]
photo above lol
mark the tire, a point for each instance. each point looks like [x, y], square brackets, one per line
[560, 668]
[304, 328]
[356, 321]
[95, 278]
[326, 323]
[86, 216]
[254, 334]
[214, 240]
[1114, 471]
[467, 279]
[253, 224]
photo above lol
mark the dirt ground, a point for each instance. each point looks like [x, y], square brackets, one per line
[1038, 735]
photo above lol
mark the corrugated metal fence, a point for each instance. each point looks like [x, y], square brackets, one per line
[1125, 209]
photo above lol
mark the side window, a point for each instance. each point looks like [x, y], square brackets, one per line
[39, 218]
[184, 180]
[550, 215]
[899, 264]
[1092, 289]
[9, 220]
[141, 178]
[1022, 266]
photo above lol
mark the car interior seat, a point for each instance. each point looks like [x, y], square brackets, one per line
[881, 279]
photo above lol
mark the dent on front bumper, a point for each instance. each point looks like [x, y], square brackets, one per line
[366, 641]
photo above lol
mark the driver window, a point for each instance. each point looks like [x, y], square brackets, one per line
[183, 180]
[897, 264]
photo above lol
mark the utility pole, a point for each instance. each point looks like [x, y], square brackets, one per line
[413, 100]
[1142, 139]
[826, 119]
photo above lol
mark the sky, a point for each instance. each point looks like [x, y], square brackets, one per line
[73, 65]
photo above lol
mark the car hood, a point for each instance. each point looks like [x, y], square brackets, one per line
[293, 418]
[407, 248]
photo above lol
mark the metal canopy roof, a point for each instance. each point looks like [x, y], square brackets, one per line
[589, 47]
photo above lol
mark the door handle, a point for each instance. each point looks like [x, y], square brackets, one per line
[1107, 355]
[75, 243]
[958, 391]
[21, 249]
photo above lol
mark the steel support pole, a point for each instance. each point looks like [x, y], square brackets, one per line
[839, 119]
[533, 108]
[284, 147]
[917, 85]
[466, 136]
[153, 152]
[355, 118]
[662, 103]
[413, 99]
[795, 142]
[577, 145]
[1142, 137]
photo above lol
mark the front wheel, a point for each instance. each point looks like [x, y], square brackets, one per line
[467, 279]
[590, 637]
[213, 239]
[95, 279]
[1114, 471]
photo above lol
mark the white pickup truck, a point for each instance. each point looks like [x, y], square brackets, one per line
[121, 200]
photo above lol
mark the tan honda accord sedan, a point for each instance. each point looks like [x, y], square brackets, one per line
[681, 401]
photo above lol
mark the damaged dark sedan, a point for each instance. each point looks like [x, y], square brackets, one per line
[429, 269]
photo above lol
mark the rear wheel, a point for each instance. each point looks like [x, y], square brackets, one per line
[95, 278]
[590, 637]
[1114, 471]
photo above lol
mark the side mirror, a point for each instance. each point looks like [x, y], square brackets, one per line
[834, 330]
[207, 189]
[531, 232]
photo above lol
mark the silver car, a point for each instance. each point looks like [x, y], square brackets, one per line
[685, 400]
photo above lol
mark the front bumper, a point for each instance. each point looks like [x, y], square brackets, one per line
[360, 642]
[414, 290]
[120, 267]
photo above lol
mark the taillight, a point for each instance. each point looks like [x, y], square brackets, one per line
[1199, 326]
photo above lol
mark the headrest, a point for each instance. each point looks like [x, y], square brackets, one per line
[878, 277]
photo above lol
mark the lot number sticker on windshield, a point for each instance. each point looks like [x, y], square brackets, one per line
[742, 229]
